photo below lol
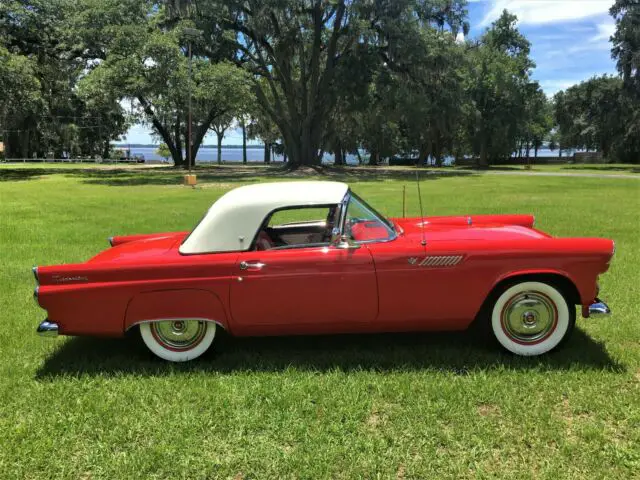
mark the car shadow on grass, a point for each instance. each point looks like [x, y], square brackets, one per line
[457, 353]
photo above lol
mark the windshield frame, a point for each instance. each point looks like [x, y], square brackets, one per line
[393, 234]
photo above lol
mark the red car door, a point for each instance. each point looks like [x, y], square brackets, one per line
[319, 285]
[404, 297]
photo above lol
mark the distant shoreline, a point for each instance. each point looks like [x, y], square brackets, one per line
[148, 145]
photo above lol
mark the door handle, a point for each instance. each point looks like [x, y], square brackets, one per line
[257, 265]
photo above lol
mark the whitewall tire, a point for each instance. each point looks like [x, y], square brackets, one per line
[531, 318]
[179, 339]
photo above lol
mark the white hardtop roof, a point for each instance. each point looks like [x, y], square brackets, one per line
[233, 221]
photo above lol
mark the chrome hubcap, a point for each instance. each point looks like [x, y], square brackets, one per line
[179, 334]
[529, 317]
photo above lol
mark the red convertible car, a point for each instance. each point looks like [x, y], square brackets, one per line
[313, 257]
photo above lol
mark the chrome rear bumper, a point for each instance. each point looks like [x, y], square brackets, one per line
[599, 308]
[47, 329]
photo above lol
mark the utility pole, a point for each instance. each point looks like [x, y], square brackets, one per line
[189, 136]
[192, 34]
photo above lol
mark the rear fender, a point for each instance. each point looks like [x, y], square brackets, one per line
[119, 240]
[172, 304]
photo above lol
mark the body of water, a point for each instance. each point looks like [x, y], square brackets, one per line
[256, 154]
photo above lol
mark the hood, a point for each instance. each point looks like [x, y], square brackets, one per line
[504, 238]
[475, 227]
[134, 250]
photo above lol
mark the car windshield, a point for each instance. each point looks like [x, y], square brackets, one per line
[364, 224]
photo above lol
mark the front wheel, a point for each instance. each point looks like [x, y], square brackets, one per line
[532, 318]
[178, 340]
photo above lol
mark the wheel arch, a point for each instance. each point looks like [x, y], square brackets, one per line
[558, 279]
[171, 304]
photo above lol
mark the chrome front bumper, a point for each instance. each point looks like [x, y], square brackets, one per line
[599, 308]
[47, 329]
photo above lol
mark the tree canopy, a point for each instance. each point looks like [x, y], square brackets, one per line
[307, 77]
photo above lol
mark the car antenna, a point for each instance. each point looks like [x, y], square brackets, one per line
[404, 201]
[424, 239]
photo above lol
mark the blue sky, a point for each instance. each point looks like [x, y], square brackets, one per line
[569, 38]
[570, 43]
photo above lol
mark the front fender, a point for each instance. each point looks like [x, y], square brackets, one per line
[581, 290]
[177, 303]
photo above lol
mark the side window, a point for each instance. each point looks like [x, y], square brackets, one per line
[297, 216]
[297, 227]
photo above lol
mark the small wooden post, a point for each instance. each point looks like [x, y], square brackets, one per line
[190, 180]
[404, 201]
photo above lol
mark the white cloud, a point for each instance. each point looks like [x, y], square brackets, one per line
[605, 31]
[552, 86]
[548, 11]
[588, 47]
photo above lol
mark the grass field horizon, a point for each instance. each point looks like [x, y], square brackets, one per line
[348, 406]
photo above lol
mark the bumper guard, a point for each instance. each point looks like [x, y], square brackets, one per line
[47, 329]
[599, 308]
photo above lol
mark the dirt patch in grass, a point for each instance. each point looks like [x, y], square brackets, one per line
[489, 410]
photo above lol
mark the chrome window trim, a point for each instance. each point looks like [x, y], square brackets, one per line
[267, 219]
[387, 223]
[297, 246]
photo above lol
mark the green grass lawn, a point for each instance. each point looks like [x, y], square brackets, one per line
[378, 406]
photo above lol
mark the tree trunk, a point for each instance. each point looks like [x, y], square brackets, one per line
[176, 148]
[244, 140]
[483, 161]
[339, 158]
[267, 153]
[535, 151]
[375, 158]
[174, 144]
[438, 154]
[423, 154]
[219, 135]
[106, 149]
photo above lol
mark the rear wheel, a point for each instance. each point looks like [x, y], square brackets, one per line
[531, 318]
[178, 340]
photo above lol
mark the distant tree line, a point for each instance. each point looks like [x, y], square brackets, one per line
[306, 77]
